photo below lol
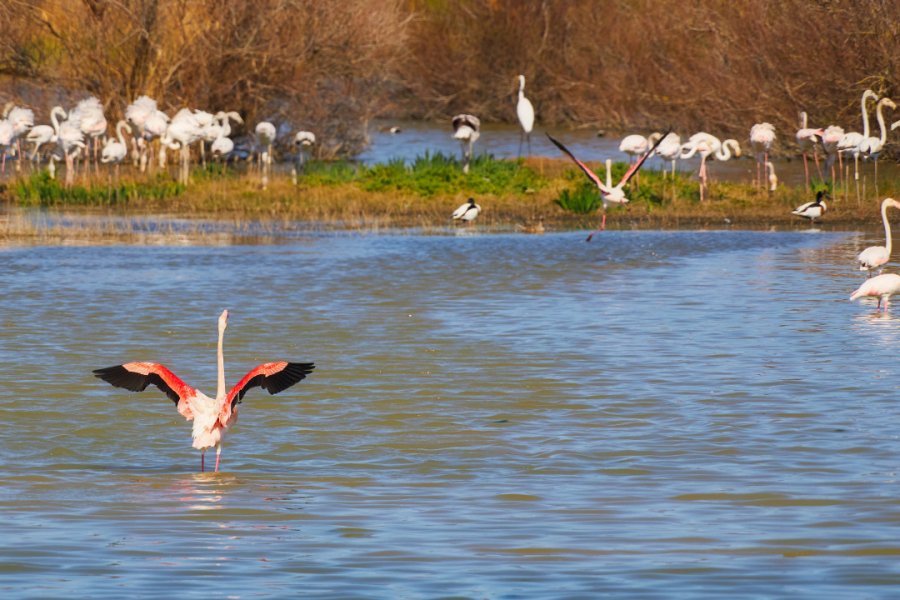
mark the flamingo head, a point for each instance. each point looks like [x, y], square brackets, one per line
[223, 320]
[521, 79]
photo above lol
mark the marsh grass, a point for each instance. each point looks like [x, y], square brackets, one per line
[223, 201]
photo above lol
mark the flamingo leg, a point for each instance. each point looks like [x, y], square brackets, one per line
[816, 158]
[202, 455]
[806, 168]
[602, 227]
[218, 456]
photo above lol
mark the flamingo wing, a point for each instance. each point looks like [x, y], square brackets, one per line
[136, 376]
[591, 175]
[273, 377]
[637, 165]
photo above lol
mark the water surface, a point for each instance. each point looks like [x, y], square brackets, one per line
[652, 415]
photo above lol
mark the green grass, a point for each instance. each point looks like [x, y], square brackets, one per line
[41, 190]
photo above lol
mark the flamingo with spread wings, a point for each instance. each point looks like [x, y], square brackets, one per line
[211, 416]
[609, 193]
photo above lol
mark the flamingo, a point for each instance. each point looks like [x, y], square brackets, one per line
[467, 212]
[116, 150]
[223, 145]
[875, 257]
[872, 146]
[21, 120]
[708, 145]
[762, 136]
[880, 286]
[265, 137]
[772, 177]
[831, 137]
[182, 131]
[609, 193]
[813, 210]
[89, 113]
[7, 138]
[149, 122]
[525, 112]
[851, 141]
[70, 138]
[670, 149]
[211, 416]
[302, 141]
[466, 129]
[806, 139]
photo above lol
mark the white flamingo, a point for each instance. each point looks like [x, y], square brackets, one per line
[875, 257]
[609, 193]
[303, 140]
[115, 150]
[265, 137]
[881, 287]
[872, 146]
[831, 137]
[466, 129]
[525, 113]
[182, 131]
[89, 113]
[850, 143]
[222, 146]
[762, 136]
[706, 145]
[70, 139]
[22, 120]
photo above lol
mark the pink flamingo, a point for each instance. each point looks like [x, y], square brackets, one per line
[609, 193]
[211, 416]
[881, 286]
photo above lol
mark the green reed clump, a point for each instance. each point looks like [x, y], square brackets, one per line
[329, 172]
[41, 190]
[583, 199]
[438, 173]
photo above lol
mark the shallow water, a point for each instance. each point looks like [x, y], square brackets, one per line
[652, 415]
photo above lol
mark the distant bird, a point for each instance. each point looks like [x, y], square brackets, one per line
[881, 287]
[265, 137]
[831, 137]
[872, 146]
[635, 145]
[466, 129]
[70, 139]
[116, 149]
[222, 145]
[534, 227]
[22, 120]
[875, 257]
[89, 114]
[669, 149]
[850, 143]
[609, 193]
[807, 139]
[467, 212]
[772, 177]
[762, 136]
[183, 130]
[303, 140]
[708, 145]
[525, 112]
[211, 416]
[812, 210]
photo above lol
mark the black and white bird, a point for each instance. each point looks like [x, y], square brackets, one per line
[813, 210]
[466, 129]
[467, 212]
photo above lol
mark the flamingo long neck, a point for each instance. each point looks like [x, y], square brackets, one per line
[803, 119]
[57, 110]
[120, 133]
[878, 115]
[220, 382]
[865, 116]
[609, 182]
[887, 227]
[521, 87]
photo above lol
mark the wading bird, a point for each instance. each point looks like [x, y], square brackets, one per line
[875, 257]
[303, 141]
[807, 138]
[265, 137]
[812, 210]
[880, 286]
[762, 136]
[872, 146]
[609, 193]
[525, 112]
[467, 212]
[211, 416]
[466, 129]
[116, 149]
[851, 141]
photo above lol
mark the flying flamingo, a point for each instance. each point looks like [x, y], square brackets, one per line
[466, 129]
[762, 136]
[609, 193]
[875, 257]
[467, 212]
[211, 416]
[807, 137]
[813, 210]
[525, 112]
[880, 286]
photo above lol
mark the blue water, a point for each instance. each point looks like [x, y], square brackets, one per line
[651, 415]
